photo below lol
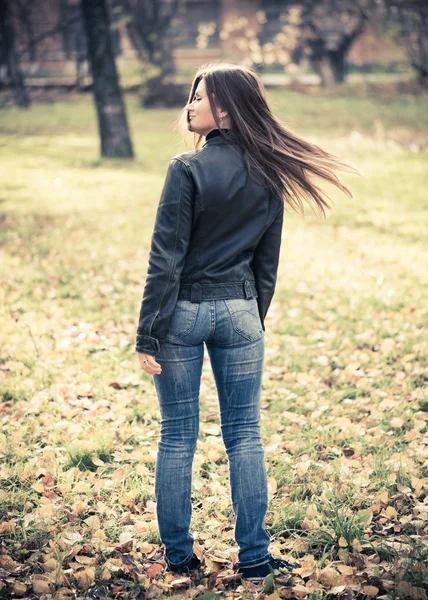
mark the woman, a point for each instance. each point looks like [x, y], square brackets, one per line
[211, 278]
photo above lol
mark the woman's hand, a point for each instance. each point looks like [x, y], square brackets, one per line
[148, 364]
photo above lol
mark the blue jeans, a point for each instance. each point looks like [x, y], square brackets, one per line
[232, 332]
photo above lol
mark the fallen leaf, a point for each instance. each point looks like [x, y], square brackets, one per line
[7, 526]
[19, 588]
[85, 578]
[300, 591]
[370, 590]
[391, 512]
[41, 584]
[93, 522]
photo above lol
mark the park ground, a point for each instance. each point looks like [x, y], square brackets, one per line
[344, 399]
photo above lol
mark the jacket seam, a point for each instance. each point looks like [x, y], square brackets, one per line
[217, 283]
[171, 261]
[192, 157]
[200, 244]
[276, 214]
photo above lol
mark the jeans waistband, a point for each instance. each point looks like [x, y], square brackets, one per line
[197, 292]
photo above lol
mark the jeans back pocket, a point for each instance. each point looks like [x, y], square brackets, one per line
[245, 317]
[183, 319]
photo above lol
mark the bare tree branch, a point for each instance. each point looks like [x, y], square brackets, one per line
[46, 34]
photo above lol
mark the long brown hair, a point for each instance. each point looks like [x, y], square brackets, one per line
[282, 160]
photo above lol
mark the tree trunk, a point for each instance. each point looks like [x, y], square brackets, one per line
[160, 90]
[150, 32]
[323, 67]
[7, 36]
[422, 75]
[337, 62]
[111, 112]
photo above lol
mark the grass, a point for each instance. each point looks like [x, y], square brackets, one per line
[344, 404]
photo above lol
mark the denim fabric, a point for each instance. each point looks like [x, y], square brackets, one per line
[232, 332]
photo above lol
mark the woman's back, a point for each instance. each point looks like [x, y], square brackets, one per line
[231, 213]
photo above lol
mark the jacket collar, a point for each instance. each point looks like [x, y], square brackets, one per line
[215, 135]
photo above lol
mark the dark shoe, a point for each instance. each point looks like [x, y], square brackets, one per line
[193, 563]
[257, 574]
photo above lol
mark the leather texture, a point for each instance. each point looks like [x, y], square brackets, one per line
[217, 234]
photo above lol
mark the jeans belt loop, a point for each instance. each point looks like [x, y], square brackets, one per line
[248, 290]
[196, 292]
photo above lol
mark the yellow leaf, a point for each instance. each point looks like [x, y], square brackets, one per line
[63, 593]
[7, 527]
[383, 497]
[79, 507]
[7, 563]
[300, 545]
[181, 582]
[99, 534]
[85, 578]
[370, 590]
[41, 584]
[93, 522]
[97, 460]
[337, 589]
[328, 576]
[417, 484]
[119, 473]
[51, 564]
[85, 560]
[105, 574]
[47, 510]
[404, 489]
[303, 467]
[356, 544]
[397, 422]
[272, 485]
[300, 591]
[19, 588]
[391, 512]
[392, 478]
[312, 510]
[342, 542]
[351, 368]
[309, 524]
[307, 567]
[361, 480]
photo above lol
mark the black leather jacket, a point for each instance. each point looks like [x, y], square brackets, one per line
[217, 235]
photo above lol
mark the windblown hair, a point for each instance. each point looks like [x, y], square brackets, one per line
[272, 153]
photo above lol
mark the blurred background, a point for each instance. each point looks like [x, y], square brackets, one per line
[323, 41]
[151, 48]
[156, 44]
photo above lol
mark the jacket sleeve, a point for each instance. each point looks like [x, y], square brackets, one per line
[265, 263]
[169, 244]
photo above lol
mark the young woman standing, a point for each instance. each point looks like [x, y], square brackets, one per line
[211, 278]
